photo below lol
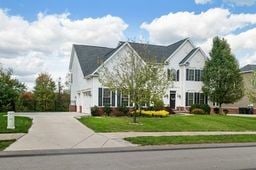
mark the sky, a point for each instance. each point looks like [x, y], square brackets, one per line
[37, 36]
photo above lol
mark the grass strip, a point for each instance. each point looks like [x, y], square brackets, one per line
[165, 140]
[5, 143]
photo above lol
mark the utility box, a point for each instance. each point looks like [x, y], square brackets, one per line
[10, 120]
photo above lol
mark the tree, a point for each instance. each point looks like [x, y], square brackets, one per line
[222, 80]
[44, 91]
[143, 82]
[251, 93]
[10, 90]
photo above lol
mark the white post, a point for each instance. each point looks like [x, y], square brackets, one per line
[10, 120]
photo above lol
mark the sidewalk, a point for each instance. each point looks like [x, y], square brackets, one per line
[11, 136]
[121, 135]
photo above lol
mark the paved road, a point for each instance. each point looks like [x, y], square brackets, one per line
[53, 130]
[192, 159]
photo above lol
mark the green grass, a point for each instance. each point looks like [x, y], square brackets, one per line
[165, 140]
[171, 124]
[5, 143]
[22, 124]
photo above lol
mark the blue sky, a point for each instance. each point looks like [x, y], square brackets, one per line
[39, 34]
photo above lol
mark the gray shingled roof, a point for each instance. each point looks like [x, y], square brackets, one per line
[90, 57]
[188, 56]
[249, 67]
[158, 52]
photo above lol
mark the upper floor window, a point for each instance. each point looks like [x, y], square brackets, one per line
[194, 74]
[173, 74]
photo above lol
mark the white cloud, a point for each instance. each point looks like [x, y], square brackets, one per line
[202, 1]
[217, 21]
[238, 29]
[241, 2]
[45, 44]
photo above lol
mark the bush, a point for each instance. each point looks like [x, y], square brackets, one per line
[158, 105]
[198, 112]
[216, 110]
[107, 110]
[124, 110]
[243, 110]
[95, 111]
[205, 107]
[150, 113]
[225, 111]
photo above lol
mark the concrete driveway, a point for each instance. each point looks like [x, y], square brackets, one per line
[51, 130]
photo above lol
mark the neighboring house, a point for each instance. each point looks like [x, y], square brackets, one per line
[183, 60]
[247, 73]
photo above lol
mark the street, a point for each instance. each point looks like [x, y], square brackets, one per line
[192, 159]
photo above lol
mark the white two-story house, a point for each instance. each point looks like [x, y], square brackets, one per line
[182, 59]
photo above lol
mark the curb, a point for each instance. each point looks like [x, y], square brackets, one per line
[55, 152]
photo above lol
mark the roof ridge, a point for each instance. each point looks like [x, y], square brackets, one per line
[155, 44]
[91, 46]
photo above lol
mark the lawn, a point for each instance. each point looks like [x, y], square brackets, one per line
[22, 124]
[5, 143]
[165, 140]
[170, 124]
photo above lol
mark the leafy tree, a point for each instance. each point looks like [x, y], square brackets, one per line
[10, 90]
[222, 80]
[44, 91]
[143, 82]
[25, 102]
[251, 93]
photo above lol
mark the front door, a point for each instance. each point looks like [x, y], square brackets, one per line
[172, 99]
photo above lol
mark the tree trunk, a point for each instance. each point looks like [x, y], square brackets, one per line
[220, 109]
[135, 114]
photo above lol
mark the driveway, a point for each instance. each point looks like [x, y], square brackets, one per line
[51, 130]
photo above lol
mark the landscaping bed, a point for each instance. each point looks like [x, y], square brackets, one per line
[22, 124]
[165, 140]
[170, 124]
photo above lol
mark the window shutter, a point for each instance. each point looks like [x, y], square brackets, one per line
[187, 99]
[118, 98]
[178, 75]
[100, 97]
[186, 74]
[168, 74]
[201, 75]
[113, 98]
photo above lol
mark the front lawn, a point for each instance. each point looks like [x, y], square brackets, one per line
[165, 140]
[5, 143]
[22, 124]
[170, 124]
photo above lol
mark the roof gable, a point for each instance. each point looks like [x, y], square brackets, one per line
[192, 52]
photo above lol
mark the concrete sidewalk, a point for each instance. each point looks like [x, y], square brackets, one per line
[11, 136]
[121, 135]
[61, 131]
